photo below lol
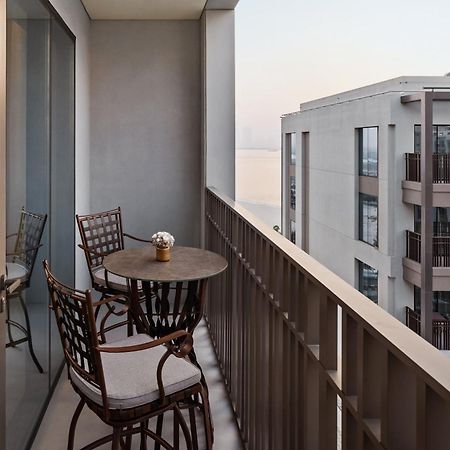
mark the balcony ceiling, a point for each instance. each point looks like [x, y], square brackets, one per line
[144, 9]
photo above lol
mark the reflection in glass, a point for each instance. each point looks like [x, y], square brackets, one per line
[368, 151]
[292, 230]
[291, 147]
[368, 281]
[292, 192]
[368, 219]
[40, 173]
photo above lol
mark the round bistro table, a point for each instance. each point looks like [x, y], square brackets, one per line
[174, 290]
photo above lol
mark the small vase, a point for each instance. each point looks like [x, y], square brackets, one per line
[162, 254]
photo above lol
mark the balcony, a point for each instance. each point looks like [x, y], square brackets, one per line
[306, 357]
[441, 180]
[441, 261]
[441, 328]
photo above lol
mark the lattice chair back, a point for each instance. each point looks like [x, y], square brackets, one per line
[29, 236]
[101, 233]
[76, 324]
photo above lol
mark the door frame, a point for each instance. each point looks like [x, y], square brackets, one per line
[2, 214]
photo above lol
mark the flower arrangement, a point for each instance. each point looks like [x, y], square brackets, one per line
[163, 240]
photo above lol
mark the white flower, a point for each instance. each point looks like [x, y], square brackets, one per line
[163, 239]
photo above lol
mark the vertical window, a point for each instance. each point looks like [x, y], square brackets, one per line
[441, 220]
[441, 301]
[291, 148]
[292, 192]
[292, 231]
[368, 151]
[441, 139]
[368, 281]
[368, 219]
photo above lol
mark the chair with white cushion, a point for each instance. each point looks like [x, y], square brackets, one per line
[19, 268]
[129, 381]
[102, 234]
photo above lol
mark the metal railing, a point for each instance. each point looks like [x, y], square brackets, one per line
[294, 341]
[441, 167]
[441, 249]
[441, 329]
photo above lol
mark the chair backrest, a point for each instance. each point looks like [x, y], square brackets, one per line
[102, 233]
[74, 314]
[29, 235]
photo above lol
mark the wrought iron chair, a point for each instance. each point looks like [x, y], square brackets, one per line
[102, 234]
[19, 268]
[130, 381]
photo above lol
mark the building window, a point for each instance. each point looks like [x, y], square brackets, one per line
[368, 151]
[441, 221]
[291, 148]
[368, 281]
[292, 192]
[441, 139]
[292, 231]
[441, 302]
[368, 219]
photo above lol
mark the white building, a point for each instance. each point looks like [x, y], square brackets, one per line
[349, 199]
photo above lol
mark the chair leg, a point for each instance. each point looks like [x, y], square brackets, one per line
[207, 420]
[143, 436]
[30, 340]
[116, 439]
[159, 427]
[8, 323]
[73, 424]
[176, 431]
[128, 439]
[184, 427]
[193, 424]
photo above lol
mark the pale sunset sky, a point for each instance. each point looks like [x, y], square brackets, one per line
[291, 51]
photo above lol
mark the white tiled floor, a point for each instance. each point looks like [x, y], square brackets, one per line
[53, 432]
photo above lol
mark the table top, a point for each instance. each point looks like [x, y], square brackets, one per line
[186, 264]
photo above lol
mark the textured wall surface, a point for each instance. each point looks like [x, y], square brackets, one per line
[145, 125]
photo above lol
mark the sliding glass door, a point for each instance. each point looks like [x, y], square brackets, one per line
[39, 196]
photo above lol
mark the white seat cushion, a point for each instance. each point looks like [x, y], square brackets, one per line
[130, 378]
[114, 281]
[15, 271]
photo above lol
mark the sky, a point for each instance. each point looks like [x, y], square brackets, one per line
[291, 51]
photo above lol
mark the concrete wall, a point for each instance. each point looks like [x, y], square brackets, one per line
[75, 17]
[333, 206]
[145, 125]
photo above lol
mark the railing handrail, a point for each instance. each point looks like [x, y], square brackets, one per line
[407, 345]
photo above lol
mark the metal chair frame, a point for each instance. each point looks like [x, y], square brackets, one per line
[28, 242]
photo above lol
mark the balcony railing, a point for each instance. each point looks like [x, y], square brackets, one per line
[441, 249]
[306, 356]
[441, 328]
[441, 167]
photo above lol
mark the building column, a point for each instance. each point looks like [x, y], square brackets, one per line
[426, 176]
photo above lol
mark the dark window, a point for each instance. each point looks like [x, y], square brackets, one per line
[368, 151]
[441, 139]
[292, 192]
[441, 301]
[441, 220]
[292, 230]
[368, 219]
[368, 281]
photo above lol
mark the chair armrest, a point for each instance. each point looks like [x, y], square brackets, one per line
[136, 238]
[11, 235]
[93, 252]
[112, 310]
[31, 249]
[180, 350]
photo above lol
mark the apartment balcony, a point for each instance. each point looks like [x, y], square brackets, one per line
[441, 328]
[441, 180]
[441, 261]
